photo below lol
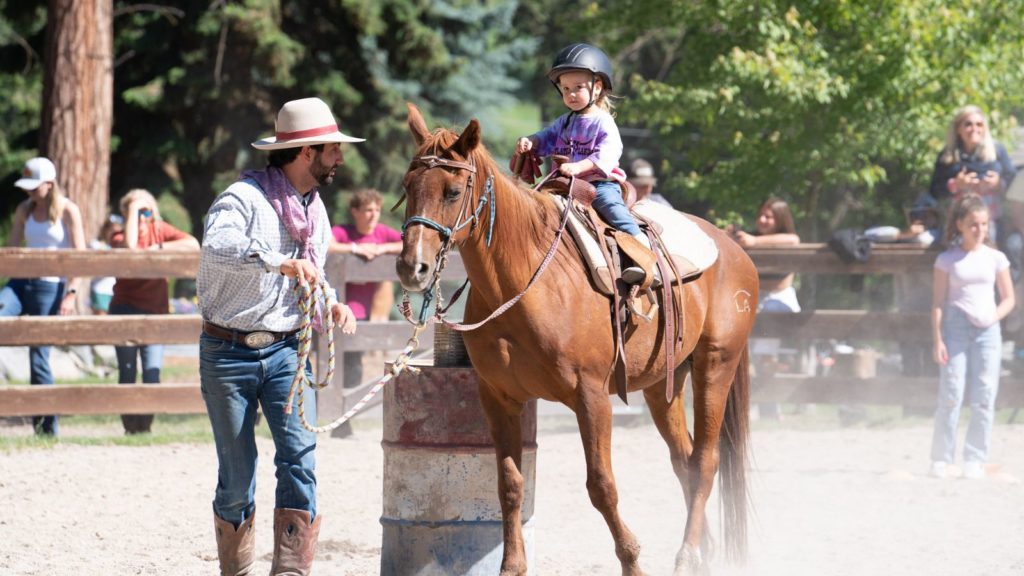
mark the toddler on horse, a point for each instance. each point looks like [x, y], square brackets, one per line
[588, 137]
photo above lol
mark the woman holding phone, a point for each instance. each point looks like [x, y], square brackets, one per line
[143, 230]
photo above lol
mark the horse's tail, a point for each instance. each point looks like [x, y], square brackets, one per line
[733, 462]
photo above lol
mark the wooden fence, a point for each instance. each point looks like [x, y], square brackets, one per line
[848, 325]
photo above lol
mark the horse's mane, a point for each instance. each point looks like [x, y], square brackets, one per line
[524, 216]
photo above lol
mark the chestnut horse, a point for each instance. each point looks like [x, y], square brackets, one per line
[556, 342]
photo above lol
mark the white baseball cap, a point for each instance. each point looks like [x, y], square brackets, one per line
[304, 122]
[36, 171]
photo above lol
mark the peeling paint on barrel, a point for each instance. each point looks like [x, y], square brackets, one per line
[441, 513]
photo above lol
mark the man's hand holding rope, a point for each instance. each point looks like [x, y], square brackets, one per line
[306, 272]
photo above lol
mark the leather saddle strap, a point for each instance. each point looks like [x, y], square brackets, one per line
[621, 376]
[669, 307]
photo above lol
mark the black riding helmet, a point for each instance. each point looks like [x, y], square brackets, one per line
[582, 56]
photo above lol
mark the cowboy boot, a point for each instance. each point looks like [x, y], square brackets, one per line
[235, 547]
[294, 542]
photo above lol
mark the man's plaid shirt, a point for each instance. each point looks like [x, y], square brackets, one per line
[239, 282]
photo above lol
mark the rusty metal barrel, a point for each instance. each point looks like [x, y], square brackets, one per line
[441, 513]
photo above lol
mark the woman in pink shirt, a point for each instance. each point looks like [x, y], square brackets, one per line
[366, 238]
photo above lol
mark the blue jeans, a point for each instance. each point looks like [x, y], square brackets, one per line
[234, 378]
[610, 206]
[10, 305]
[128, 356]
[975, 356]
[35, 297]
[152, 356]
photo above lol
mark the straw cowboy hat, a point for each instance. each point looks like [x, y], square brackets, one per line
[305, 122]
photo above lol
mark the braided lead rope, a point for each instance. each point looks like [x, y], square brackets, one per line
[307, 299]
[397, 367]
[307, 306]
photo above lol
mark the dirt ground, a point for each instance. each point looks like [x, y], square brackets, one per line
[840, 502]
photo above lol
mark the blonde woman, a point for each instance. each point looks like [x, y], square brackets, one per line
[50, 221]
[972, 162]
[143, 230]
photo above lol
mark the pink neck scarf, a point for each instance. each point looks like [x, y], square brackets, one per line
[301, 225]
[286, 201]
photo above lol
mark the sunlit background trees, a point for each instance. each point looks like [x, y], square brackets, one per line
[838, 106]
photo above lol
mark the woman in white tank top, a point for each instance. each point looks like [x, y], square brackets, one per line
[50, 221]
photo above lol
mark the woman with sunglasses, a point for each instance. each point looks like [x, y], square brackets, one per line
[972, 162]
[143, 230]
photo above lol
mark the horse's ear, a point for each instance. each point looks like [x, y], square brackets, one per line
[416, 124]
[468, 140]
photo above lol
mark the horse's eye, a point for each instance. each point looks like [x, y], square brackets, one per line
[451, 192]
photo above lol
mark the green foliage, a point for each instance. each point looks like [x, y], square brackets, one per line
[840, 106]
[21, 83]
[186, 117]
[174, 213]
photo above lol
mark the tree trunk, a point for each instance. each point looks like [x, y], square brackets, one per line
[78, 103]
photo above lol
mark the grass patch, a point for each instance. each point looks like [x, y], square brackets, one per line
[93, 430]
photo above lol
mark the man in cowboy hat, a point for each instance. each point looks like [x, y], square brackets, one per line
[266, 232]
[641, 176]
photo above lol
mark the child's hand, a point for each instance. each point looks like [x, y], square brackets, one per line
[570, 168]
[524, 145]
[940, 354]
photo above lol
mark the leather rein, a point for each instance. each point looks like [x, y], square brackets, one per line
[447, 233]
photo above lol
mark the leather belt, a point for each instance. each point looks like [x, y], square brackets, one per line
[256, 340]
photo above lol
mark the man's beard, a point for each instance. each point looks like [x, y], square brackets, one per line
[321, 173]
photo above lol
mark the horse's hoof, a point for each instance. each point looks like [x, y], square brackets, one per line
[688, 562]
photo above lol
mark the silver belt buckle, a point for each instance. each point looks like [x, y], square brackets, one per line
[258, 340]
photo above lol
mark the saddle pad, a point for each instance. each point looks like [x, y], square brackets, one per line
[681, 235]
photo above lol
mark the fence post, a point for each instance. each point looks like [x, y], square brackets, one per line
[331, 400]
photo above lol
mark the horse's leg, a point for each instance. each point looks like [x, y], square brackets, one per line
[504, 417]
[594, 415]
[713, 373]
[670, 419]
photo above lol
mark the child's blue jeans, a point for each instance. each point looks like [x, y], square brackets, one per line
[610, 206]
[975, 359]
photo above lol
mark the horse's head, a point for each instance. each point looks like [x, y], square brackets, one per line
[441, 198]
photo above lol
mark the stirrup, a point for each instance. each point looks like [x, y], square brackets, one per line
[634, 303]
[635, 275]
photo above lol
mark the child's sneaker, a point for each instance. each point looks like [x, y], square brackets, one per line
[973, 470]
[938, 470]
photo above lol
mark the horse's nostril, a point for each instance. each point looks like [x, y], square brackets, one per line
[422, 269]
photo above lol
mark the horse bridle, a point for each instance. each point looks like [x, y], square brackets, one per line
[446, 233]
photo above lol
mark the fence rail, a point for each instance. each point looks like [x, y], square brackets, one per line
[177, 329]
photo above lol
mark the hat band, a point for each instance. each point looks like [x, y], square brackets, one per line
[307, 133]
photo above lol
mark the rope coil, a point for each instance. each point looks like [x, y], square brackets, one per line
[307, 299]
